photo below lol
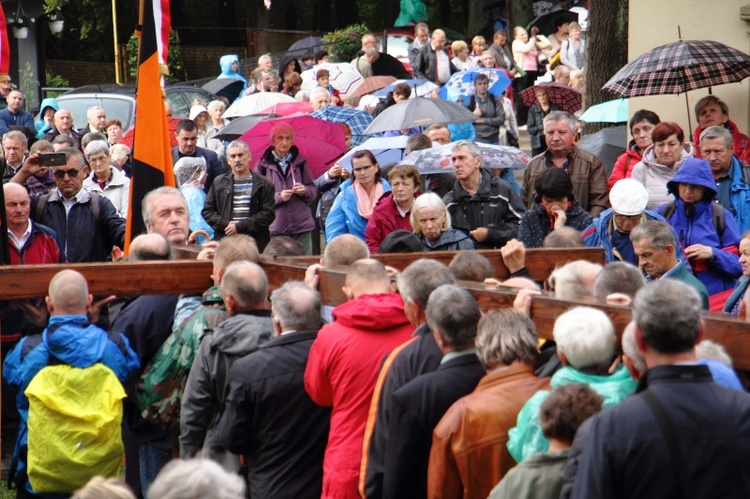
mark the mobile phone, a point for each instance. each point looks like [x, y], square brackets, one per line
[52, 159]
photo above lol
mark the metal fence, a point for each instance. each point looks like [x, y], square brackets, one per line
[201, 62]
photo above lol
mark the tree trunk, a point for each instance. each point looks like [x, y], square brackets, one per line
[606, 50]
[518, 13]
[445, 13]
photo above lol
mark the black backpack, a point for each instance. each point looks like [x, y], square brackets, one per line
[717, 217]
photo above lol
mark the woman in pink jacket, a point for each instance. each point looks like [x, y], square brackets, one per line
[641, 125]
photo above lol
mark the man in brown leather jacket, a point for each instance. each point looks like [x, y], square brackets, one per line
[586, 170]
[469, 455]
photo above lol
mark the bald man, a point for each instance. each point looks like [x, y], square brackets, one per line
[63, 125]
[75, 342]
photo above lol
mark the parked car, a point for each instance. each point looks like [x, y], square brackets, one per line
[399, 39]
[118, 101]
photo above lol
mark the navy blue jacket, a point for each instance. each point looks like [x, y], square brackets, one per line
[8, 119]
[213, 167]
[535, 224]
[624, 453]
[83, 238]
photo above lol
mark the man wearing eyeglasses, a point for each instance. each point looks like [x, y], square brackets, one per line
[87, 224]
[611, 230]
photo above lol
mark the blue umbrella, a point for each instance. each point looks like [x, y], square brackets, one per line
[613, 111]
[357, 120]
[414, 83]
[461, 84]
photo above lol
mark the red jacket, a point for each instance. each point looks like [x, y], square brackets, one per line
[385, 219]
[741, 142]
[341, 372]
[624, 165]
[41, 247]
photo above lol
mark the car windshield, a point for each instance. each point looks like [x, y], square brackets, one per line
[115, 108]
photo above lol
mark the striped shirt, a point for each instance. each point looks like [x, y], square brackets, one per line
[243, 190]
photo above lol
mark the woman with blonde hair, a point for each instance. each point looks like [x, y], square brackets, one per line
[431, 222]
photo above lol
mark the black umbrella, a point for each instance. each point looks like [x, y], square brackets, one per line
[239, 126]
[309, 44]
[225, 87]
[546, 22]
[607, 145]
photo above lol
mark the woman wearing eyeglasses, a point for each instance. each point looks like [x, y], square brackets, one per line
[106, 179]
[356, 200]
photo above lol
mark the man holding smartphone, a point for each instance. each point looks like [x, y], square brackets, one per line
[87, 223]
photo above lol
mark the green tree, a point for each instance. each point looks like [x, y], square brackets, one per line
[175, 62]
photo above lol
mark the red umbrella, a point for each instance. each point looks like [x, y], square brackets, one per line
[287, 108]
[569, 99]
[320, 142]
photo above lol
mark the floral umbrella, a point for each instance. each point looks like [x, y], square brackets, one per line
[438, 159]
[461, 84]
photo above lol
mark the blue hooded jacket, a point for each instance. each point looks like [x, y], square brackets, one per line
[344, 217]
[73, 341]
[41, 126]
[225, 62]
[695, 225]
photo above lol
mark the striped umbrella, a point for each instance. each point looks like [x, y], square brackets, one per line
[342, 76]
[678, 67]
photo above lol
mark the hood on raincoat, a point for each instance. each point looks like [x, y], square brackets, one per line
[243, 333]
[225, 62]
[284, 62]
[48, 102]
[376, 312]
[649, 155]
[694, 171]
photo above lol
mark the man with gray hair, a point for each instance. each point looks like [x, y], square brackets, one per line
[417, 356]
[244, 290]
[585, 341]
[453, 315]
[654, 245]
[165, 211]
[681, 434]
[480, 203]
[476, 427]
[586, 170]
[731, 174]
[343, 367]
[196, 479]
[97, 121]
[618, 277]
[319, 98]
[241, 201]
[574, 280]
[288, 461]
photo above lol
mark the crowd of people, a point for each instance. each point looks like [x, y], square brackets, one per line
[407, 389]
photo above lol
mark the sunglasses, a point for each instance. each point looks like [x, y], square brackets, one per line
[70, 173]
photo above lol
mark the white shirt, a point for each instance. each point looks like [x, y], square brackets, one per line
[19, 242]
[443, 73]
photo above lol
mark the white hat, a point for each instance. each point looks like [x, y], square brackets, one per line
[196, 110]
[628, 197]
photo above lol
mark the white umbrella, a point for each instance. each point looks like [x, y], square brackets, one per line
[343, 77]
[253, 104]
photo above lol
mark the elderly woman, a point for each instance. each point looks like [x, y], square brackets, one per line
[707, 231]
[432, 223]
[661, 160]
[357, 198]
[461, 58]
[199, 114]
[535, 123]
[114, 131]
[216, 110]
[642, 125]
[287, 170]
[393, 209]
[106, 179]
[478, 45]
[572, 49]
[555, 207]
[585, 341]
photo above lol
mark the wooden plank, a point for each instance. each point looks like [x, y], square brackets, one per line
[123, 279]
[31, 281]
[540, 262]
